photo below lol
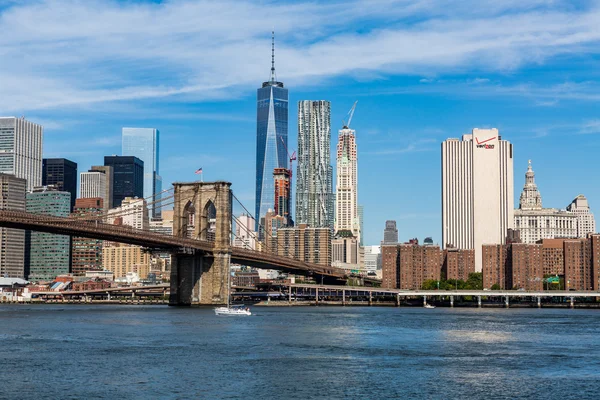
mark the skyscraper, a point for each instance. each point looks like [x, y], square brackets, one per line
[47, 255]
[361, 219]
[21, 149]
[143, 143]
[283, 193]
[12, 241]
[585, 219]
[314, 197]
[271, 138]
[346, 193]
[93, 185]
[109, 174]
[62, 174]
[390, 233]
[128, 177]
[477, 191]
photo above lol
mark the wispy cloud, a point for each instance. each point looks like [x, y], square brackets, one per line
[590, 127]
[106, 51]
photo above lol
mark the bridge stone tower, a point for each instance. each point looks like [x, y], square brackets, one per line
[202, 210]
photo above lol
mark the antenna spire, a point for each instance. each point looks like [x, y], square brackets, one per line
[273, 77]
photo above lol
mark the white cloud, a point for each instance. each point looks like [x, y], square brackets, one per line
[70, 53]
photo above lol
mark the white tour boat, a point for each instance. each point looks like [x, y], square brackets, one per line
[235, 310]
[428, 306]
[232, 310]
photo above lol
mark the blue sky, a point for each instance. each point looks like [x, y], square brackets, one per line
[422, 71]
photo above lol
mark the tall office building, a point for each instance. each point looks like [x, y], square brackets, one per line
[92, 185]
[143, 143]
[12, 241]
[62, 174]
[87, 252]
[390, 233]
[245, 237]
[585, 219]
[109, 174]
[314, 197]
[128, 177]
[477, 191]
[283, 194]
[21, 149]
[346, 193]
[361, 219]
[47, 255]
[271, 139]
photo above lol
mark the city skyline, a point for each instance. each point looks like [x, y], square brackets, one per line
[540, 97]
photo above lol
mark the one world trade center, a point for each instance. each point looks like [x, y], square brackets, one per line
[271, 139]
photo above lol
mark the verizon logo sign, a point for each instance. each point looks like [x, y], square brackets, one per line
[482, 144]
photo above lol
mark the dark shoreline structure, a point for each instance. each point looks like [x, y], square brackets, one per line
[322, 295]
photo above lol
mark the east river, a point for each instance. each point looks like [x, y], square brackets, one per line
[136, 352]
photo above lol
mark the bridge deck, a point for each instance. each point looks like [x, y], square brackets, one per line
[125, 234]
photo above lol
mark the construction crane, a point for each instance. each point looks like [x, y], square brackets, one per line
[292, 157]
[349, 116]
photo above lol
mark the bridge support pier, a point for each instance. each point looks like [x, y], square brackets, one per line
[539, 302]
[317, 296]
[290, 295]
[370, 298]
[506, 302]
[479, 301]
[108, 295]
[397, 299]
[343, 297]
[199, 278]
[451, 301]
[424, 301]
[572, 302]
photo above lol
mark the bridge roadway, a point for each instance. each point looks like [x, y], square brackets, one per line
[152, 240]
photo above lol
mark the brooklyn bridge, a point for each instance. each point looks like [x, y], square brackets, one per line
[200, 261]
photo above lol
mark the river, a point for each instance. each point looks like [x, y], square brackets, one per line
[135, 352]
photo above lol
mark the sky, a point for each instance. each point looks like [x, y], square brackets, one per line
[421, 70]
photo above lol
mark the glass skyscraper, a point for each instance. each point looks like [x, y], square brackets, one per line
[271, 140]
[315, 202]
[143, 143]
[47, 255]
[128, 177]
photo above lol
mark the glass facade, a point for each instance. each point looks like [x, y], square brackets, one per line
[61, 173]
[47, 255]
[271, 143]
[143, 143]
[128, 177]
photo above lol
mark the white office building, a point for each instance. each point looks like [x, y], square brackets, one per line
[372, 258]
[477, 191]
[93, 184]
[585, 219]
[21, 150]
[346, 193]
[132, 212]
[245, 236]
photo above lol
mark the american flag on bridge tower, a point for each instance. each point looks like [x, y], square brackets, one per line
[199, 170]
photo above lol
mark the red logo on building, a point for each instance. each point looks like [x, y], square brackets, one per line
[481, 145]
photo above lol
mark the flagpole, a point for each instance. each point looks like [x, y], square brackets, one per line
[202, 176]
